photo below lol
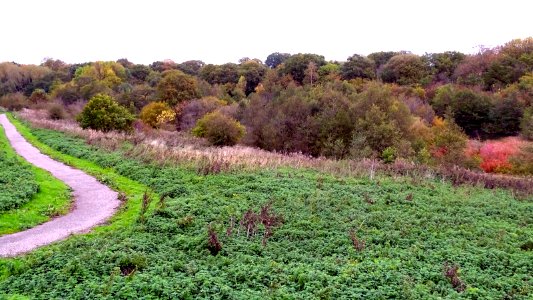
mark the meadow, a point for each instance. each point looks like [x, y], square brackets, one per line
[278, 233]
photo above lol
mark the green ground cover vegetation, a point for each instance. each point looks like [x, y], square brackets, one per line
[28, 195]
[280, 234]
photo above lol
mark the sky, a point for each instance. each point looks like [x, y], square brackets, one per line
[225, 31]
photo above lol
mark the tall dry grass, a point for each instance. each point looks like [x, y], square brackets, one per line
[179, 148]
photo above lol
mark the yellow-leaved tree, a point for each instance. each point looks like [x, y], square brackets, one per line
[156, 114]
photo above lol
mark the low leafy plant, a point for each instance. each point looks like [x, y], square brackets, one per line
[357, 243]
[145, 204]
[452, 273]
[17, 182]
[309, 256]
[213, 244]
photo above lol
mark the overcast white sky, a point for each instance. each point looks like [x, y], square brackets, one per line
[224, 31]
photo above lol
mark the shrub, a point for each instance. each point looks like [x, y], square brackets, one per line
[67, 93]
[157, 113]
[522, 161]
[220, 130]
[448, 143]
[452, 273]
[13, 102]
[213, 244]
[38, 96]
[526, 124]
[191, 111]
[389, 155]
[494, 155]
[56, 112]
[105, 114]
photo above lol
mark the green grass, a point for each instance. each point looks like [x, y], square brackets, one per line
[410, 230]
[132, 189]
[51, 196]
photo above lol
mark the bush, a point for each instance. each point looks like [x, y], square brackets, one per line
[448, 142]
[67, 93]
[389, 155]
[13, 102]
[192, 111]
[522, 161]
[56, 112]
[470, 109]
[494, 155]
[38, 96]
[103, 113]
[526, 124]
[157, 113]
[220, 130]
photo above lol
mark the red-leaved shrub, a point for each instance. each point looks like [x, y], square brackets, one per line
[494, 154]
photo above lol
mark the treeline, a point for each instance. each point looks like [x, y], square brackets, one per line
[385, 105]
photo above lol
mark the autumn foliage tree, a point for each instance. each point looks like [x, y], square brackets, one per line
[156, 114]
[99, 77]
[176, 86]
[303, 103]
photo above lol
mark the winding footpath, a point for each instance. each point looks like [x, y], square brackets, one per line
[93, 203]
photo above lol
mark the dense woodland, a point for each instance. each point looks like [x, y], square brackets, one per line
[438, 108]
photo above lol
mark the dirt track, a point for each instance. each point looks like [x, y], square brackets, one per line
[93, 202]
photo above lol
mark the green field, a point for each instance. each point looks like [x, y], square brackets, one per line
[334, 238]
[28, 195]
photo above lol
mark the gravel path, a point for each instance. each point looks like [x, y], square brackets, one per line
[93, 202]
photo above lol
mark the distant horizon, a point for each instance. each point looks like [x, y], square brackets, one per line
[475, 50]
[223, 32]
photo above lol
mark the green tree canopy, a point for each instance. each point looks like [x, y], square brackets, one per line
[220, 74]
[103, 113]
[469, 108]
[191, 67]
[404, 69]
[297, 64]
[358, 66]
[275, 59]
[176, 86]
[253, 73]
[443, 65]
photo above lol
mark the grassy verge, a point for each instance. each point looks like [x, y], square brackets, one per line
[132, 189]
[51, 199]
